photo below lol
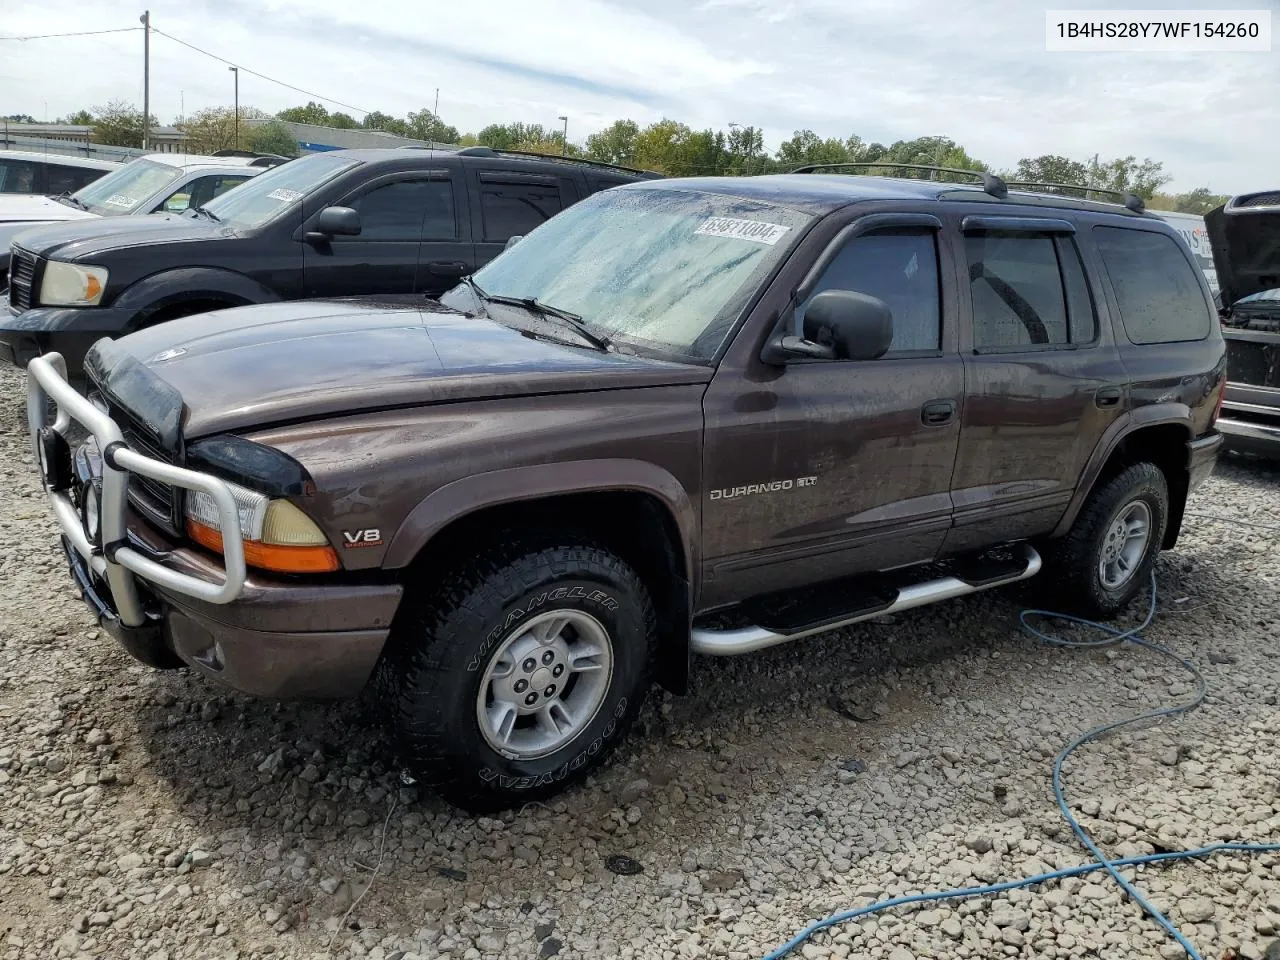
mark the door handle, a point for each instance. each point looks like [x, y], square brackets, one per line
[1107, 396]
[937, 412]
[446, 267]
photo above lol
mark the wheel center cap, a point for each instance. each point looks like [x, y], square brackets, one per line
[541, 679]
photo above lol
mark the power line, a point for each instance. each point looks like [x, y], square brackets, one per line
[85, 33]
[261, 76]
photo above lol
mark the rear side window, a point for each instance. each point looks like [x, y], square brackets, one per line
[599, 183]
[514, 209]
[1156, 288]
[900, 267]
[1017, 290]
[18, 176]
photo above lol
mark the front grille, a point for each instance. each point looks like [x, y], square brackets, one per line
[22, 278]
[1268, 199]
[158, 502]
[1253, 363]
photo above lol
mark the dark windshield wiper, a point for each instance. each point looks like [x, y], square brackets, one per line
[71, 201]
[208, 213]
[545, 310]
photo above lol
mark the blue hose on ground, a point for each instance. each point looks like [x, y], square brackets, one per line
[1112, 636]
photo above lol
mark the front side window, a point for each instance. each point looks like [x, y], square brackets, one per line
[898, 266]
[121, 192]
[406, 210]
[1157, 291]
[514, 209]
[282, 188]
[1016, 289]
[660, 269]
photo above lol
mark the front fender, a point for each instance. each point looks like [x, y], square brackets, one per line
[455, 500]
[160, 291]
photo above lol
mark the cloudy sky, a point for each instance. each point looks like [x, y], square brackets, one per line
[884, 69]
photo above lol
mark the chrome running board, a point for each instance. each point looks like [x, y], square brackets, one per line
[727, 643]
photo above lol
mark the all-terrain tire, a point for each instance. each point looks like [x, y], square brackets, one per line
[431, 678]
[1073, 581]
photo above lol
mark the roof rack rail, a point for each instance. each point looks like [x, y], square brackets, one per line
[258, 159]
[1130, 201]
[990, 182]
[482, 151]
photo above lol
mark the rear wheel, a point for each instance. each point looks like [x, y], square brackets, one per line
[1106, 558]
[520, 673]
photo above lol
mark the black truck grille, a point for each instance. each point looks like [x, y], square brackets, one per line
[158, 502]
[1268, 199]
[1254, 363]
[22, 278]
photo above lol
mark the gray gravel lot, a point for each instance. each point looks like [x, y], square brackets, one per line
[154, 815]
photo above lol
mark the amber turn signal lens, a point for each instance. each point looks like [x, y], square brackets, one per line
[265, 556]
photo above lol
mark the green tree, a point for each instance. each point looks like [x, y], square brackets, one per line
[119, 124]
[507, 136]
[806, 148]
[342, 121]
[1127, 174]
[616, 143]
[377, 120]
[81, 118]
[311, 113]
[1200, 200]
[425, 125]
[744, 147]
[20, 118]
[214, 129]
[931, 152]
[1051, 168]
[273, 137]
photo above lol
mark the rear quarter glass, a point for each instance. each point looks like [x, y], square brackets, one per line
[1157, 291]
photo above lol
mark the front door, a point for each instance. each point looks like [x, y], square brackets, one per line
[398, 215]
[825, 468]
[1044, 378]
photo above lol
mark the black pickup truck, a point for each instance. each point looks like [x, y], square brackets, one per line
[346, 222]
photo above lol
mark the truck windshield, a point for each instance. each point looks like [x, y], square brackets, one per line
[121, 192]
[270, 194]
[669, 269]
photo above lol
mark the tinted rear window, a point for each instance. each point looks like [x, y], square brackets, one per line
[1158, 292]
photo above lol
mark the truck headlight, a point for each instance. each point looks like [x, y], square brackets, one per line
[72, 285]
[276, 534]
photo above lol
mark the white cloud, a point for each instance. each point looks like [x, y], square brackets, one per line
[884, 69]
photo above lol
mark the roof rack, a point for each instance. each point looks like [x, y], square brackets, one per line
[258, 159]
[990, 182]
[482, 151]
[1130, 201]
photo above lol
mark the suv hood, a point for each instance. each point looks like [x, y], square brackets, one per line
[1244, 235]
[25, 208]
[257, 366]
[84, 240]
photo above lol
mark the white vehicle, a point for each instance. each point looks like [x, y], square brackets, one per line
[29, 171]
[1191, 228]
[156, 183]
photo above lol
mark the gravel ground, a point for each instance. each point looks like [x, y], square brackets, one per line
[154, 815]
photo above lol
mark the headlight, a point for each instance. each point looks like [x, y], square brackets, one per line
[72, 285]
[91, 513]
[277, 535]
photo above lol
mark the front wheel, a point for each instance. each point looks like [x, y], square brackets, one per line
[521, 672]
[1106, 558]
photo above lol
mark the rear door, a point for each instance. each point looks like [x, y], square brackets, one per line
[508, 202]
[384, 257]
[1043, 377]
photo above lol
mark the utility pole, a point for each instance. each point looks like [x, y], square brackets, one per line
[564, 143]
[146, 76]
[236, 71]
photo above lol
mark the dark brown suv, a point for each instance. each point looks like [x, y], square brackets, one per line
[684, 416]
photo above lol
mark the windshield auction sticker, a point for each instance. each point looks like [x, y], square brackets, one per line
[119, 200]
[754, 230]
[285, 195]
[1158, 31]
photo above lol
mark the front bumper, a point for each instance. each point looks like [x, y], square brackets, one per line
[168, 604]
[69, 331]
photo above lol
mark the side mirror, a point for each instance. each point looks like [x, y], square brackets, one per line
[512, 241]
[335, 222]
[838, 325]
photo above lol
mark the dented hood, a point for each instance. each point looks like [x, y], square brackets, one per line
[256, 366]
[1244, 235]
